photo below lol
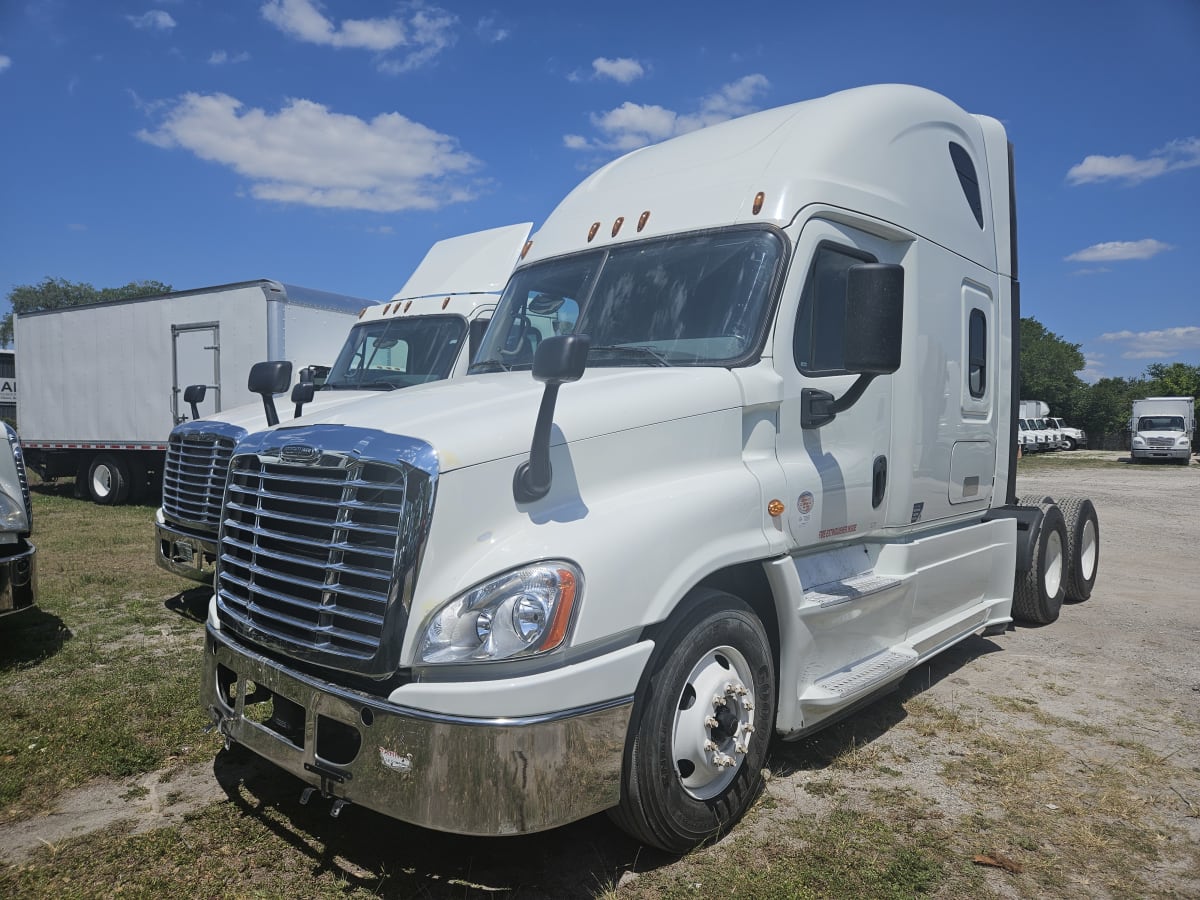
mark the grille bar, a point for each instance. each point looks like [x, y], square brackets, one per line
[319, 548]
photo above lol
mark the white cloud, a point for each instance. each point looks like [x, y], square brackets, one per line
[489, 32]
[1164, 344]
[222, 58]
[1114, 251]
[5, 62]
[623, 69]
[1093, 367]
[633, 125]
[425, 34]
[309, 155]
[1179, 154]
[154, 20]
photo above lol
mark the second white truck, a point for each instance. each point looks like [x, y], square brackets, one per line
[1162, 428]
[737, 453]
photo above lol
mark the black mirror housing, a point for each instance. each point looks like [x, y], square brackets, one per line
[561, 359]
[194, 393]
[874, 318]
[270, 377]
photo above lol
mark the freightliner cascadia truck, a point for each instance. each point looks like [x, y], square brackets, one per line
[426, 332]
[738, 452]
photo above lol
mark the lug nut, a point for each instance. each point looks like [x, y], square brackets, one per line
[711, 722]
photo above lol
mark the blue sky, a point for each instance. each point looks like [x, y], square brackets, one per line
[328, 144]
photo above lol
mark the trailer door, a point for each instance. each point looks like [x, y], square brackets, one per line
[196, 359]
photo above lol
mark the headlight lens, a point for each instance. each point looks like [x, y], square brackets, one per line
[1138, 439]
[16, 514]
[1184, 441]
[521, 613]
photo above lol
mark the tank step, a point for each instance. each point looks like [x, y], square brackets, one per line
[860, 679]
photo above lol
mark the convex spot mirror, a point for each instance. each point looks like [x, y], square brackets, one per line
[874, 318]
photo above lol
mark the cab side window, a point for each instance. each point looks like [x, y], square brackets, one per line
[821, 321]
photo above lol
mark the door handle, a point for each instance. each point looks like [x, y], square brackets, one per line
[878, 481]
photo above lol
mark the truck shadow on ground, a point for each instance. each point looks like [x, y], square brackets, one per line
[191, 603]
[392, 859]
[31, 636]
[583, 859]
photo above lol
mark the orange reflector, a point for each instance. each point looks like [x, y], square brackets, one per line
[562, 611]
[361, 311]
[407, 305]
[525, 249]
[758, 202]
[775, 508]
[386, 309]
[617, 225]
[643, 219]
[445, 303]
[592, 231]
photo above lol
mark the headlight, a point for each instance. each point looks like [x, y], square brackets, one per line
[1184, 441]
[520, 613]
[16, 512]
[1138, 439]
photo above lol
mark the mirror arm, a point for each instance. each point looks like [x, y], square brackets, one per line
[531, 480]
[819, 408]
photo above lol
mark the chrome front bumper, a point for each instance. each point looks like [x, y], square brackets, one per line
[18, 577]
[451, 773]
[191, 554]
[1161, 453]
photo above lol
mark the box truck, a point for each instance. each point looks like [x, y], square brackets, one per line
[1162, 428]
[737, 453]
[426, 332]
[102, 384]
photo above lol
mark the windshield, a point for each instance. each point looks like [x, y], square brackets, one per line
[1160, 423]
[696, 300]
[385, 354]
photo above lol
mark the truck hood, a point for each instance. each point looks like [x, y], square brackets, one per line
[481, 418]
[251, 416]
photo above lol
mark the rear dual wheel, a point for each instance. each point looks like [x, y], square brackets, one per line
[701, 723]
[1040, 591]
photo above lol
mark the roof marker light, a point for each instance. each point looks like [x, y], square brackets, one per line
[643, 219]
[445, 303]
[592, 231]
[758, 202]
[407, 305]
[361, 311]
[525, 249]
[617, 225]
[386, 309]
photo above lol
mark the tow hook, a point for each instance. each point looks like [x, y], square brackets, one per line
[335, 809]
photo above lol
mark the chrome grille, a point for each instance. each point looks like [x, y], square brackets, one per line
[319, 546]
[1160, 443]
[193, 483]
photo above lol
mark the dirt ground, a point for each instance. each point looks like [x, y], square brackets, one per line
[1103, 707]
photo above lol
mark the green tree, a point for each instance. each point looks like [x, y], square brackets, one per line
[1048, 370]
[55, 293]
[1173, 380]
[1108, 405]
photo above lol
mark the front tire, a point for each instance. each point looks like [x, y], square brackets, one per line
[1039, 593]
[701, 724]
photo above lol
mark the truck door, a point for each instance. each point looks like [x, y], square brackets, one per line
[195, 359]
[838, 474]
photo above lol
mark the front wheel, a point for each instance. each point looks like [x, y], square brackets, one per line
[701, 724]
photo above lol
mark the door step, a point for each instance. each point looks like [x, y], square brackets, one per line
[856, 586]
[860, 679]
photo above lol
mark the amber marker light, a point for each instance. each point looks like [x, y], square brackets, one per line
[592, 231]
[643, 219]
[387, 309]
[562, 611]
[445, 303]
[617, 225]
[775, 508]
[758, 202]
[407, 305]
[361, 311]
[525, 249]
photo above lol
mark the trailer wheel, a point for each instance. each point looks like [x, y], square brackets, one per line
[108, 480]
[701, 723]
[1083, 546]
[1039, 592]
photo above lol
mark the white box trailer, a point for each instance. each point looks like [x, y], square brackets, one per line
[103, 383]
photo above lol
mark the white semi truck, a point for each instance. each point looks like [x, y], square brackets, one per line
[426, 332]
[1162, 428]
[102, 384]
[18, 557]
[738, 452]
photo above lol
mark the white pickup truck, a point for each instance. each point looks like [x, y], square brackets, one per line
[738, 452]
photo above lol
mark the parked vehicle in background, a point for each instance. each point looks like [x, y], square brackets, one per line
[1073, 438]
[1041, 437]
[676, 509]
[426, 332]
[18, 557]
[1027, 437]
[102, 384]
[1054, 437]
[1162, 428]
[1068, 438]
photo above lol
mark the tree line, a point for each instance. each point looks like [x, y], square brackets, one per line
[1049, 372]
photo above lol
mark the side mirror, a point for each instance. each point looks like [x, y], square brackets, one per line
[302, 393]
[268, 379]
[193, 394]
[871, 339]
[559, 360]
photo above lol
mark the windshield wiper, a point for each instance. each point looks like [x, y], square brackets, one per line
[632, 352]
[488, 365]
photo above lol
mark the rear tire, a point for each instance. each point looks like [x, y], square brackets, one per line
[1039, 592]
[1083, 546]
[108, 480]
[701, 724]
